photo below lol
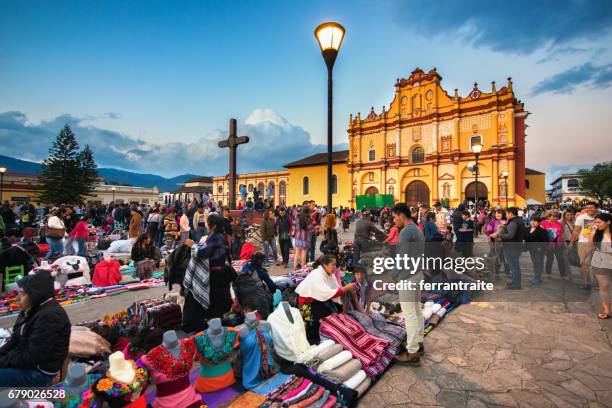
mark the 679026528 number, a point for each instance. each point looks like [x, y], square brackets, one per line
[36, 393]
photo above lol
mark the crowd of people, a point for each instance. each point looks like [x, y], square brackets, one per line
[205, 239]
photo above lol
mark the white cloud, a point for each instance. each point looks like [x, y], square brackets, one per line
[273, 142]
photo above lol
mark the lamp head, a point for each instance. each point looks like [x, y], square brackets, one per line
[113, 188]
[505, 173]
[477, 148]
[2, 170]
[329, 36]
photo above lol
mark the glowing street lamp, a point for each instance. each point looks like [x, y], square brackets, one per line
[329, 36]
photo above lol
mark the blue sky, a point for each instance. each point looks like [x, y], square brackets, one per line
[151, 85]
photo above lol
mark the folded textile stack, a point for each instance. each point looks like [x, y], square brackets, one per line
[167, 316]
[374, 353]
[315, 355]
[301, 392]
[344, 369]
[377, 325]
[360, 382]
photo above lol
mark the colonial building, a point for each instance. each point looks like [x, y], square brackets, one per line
[566, 189]
[269, 184]
[420, 148]
[23, 188]
[193, 189]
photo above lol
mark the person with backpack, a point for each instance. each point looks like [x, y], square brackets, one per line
[330, 235]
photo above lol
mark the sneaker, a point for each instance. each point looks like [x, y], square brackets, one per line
[421, 349]
[405, 358]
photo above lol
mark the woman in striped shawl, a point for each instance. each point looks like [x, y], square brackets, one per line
[207, 279]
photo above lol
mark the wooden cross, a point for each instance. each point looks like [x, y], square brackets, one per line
[232, 143]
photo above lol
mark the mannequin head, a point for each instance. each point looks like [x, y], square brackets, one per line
[170, 340]
[76, 378]
[215, 327]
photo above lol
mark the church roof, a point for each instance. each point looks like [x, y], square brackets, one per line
[532, 172]
[320, 158]
[202, 179]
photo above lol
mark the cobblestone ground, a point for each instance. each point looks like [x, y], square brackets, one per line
[538, 347]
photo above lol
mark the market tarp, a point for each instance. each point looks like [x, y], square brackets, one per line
[374, 200]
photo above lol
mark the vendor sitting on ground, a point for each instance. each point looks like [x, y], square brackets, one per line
[144, 249]
[319, 295]
[35, 352]
[256, 264]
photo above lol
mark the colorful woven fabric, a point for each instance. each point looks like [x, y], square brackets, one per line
[374, 353]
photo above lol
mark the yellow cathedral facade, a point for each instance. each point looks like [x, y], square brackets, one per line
[419, 150]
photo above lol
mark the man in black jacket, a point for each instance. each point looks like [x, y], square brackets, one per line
[36, 351]
[513, 245]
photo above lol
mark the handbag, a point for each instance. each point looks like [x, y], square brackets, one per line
[573, 257]
[55, 232]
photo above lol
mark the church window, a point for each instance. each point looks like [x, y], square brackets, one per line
[418, 155]
[372, 155]
[220, 189]
[306, 186]
[334, 184]
[370, 176]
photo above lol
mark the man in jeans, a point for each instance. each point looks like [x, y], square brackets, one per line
[582, 231]
[512, 241]
[411, 242]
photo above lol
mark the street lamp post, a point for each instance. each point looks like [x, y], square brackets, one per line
[476, 148]
[113, 190]
[2, 171]
[329, 36]
[505, 174]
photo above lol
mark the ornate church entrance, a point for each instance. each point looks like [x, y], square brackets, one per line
[417, 193]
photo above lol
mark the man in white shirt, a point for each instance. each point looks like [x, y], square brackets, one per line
[582, 231]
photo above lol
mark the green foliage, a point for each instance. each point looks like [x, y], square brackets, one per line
[597, 182]
[68, 175]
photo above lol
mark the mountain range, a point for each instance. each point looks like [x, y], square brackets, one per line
[111, 176]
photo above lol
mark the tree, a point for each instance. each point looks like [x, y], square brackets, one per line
[597, 182]
[67, 175]
[88, 172]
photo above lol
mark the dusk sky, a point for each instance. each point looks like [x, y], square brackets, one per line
[151, 85]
